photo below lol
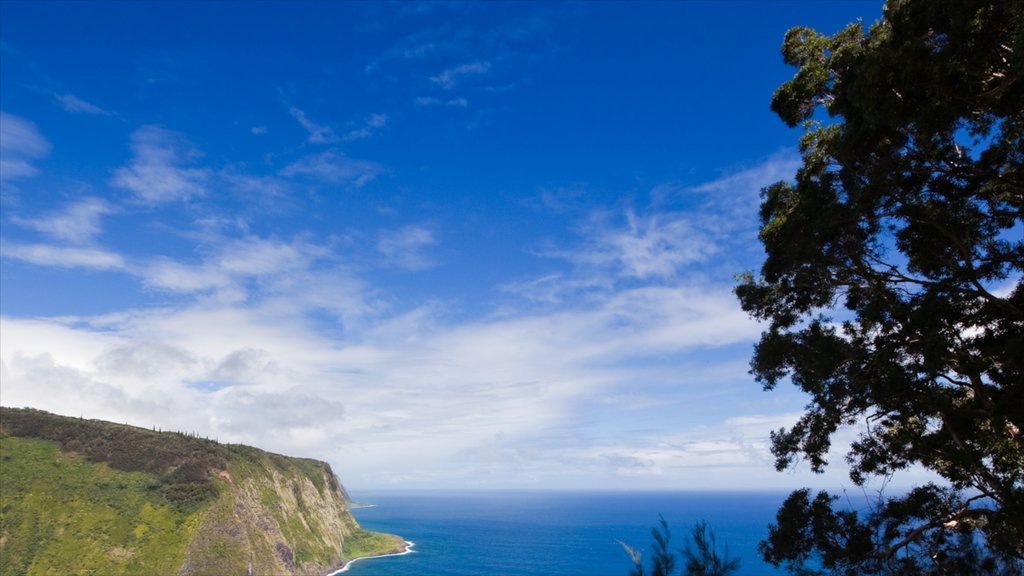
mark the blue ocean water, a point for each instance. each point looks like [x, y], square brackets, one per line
[472, 533]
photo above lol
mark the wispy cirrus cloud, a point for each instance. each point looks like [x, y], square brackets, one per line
[651, 246]
[748, 182]
[64, 256]
[76, 105]
[78, 223]
[681, 234]
[318, 134]
[74, 229]
[231, 264]
[21, 143]
[406, 247]
[371, 124]
[156, 173]
[450, 77]
[334, 167]
[431, 101]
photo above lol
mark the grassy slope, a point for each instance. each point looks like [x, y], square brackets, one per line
[63, 514]
[83, 496]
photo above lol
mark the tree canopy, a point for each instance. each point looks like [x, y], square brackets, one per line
[892, 286]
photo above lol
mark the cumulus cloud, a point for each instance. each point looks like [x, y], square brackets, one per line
[156, 173]
[21, 144]
[334, 167]
[426, 393]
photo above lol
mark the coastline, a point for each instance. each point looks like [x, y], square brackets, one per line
[405, 548]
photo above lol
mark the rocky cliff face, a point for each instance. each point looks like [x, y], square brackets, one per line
[84, 495]
[274, 516]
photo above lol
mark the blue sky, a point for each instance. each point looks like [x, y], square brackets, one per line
[438, 245]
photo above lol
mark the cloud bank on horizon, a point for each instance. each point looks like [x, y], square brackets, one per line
[479, 245]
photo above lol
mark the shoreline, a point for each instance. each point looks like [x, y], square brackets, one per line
[406, 548]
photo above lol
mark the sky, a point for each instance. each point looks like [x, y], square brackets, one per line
[438, 245]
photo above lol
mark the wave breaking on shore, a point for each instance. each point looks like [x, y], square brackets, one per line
[406, 549]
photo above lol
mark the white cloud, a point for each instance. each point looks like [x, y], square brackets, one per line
[76, 105]
[334, 167]
[683, 232]
[78, 223]
[279, 344]
[427, 394]
[657, 246]
[317, 134]
[246, 365]
[233, 263]
[264, 190]
[179, 277]
[781, 166]
[405, 247]
[431, 101]
[64, 256]
[371, 124]
[21, 143]
[155, 173]
[450, 77]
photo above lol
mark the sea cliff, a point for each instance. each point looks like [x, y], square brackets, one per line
[87, 496]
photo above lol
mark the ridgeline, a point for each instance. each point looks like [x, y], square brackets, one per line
[91, 497]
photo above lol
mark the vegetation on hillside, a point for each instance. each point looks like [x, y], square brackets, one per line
[59, 511]
[179, 463]
[86, 496]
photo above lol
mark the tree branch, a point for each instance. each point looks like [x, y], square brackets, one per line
[947, 523]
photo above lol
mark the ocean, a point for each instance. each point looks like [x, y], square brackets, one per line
[539, 533]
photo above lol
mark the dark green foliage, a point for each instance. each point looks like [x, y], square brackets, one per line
[662, 561]
[183, 464]
[892, 284]
[701, 557]
[893, 537]
[189, 495]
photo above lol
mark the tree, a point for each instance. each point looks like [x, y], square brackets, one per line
[892, 289]
[702, 561]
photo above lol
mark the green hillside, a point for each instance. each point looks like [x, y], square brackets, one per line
[90, 497]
